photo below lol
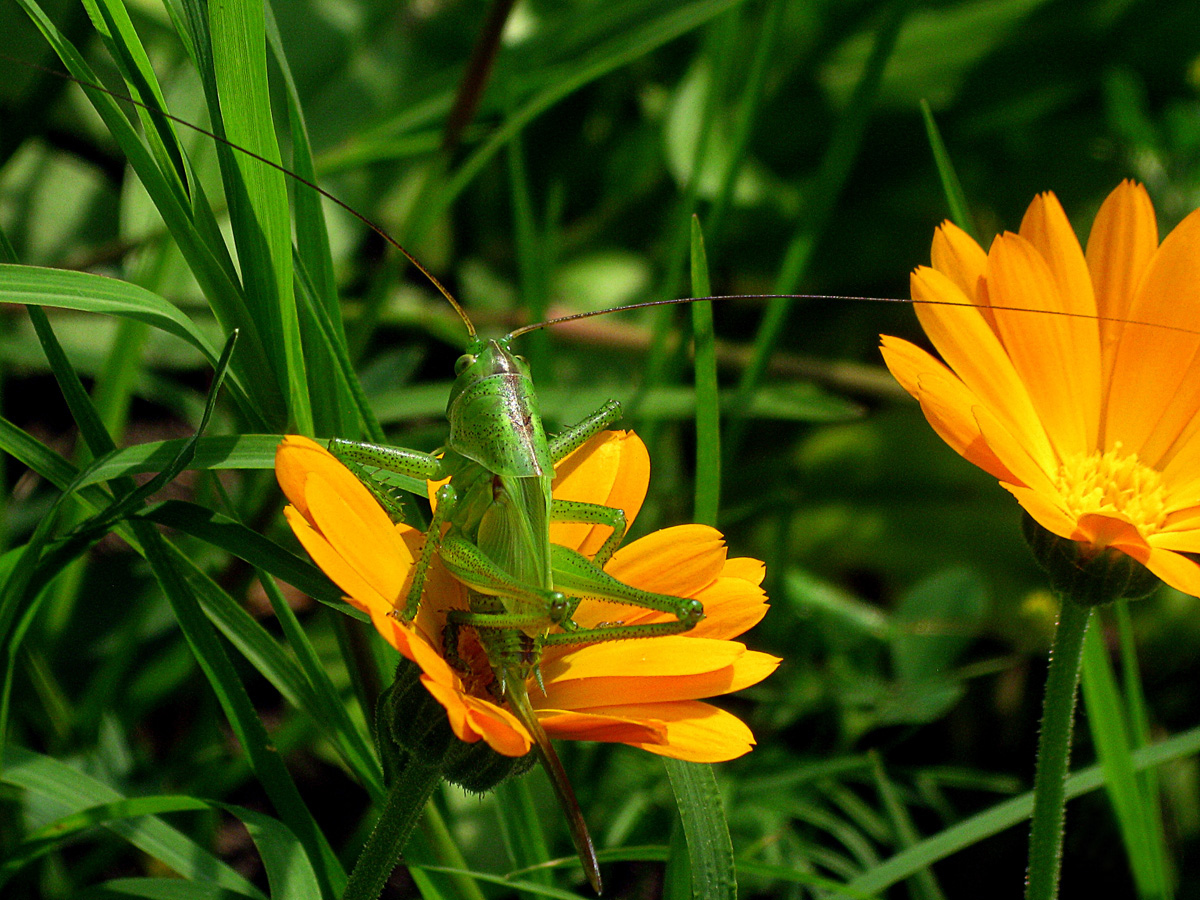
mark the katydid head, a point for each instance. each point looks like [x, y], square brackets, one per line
[493, 412]
[485, 359]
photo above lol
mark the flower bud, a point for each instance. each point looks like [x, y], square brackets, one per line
[409, 720]
[1089, 576]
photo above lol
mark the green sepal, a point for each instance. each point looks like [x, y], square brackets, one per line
[409, 721]
[1088, 578]
[479, 768]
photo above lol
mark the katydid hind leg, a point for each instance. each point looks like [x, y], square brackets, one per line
[518, 700]
[577, 576]
[593, 514]
[475, 569]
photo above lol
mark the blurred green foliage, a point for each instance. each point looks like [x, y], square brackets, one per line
[904, 603]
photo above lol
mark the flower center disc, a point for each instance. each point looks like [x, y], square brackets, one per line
[1116, 484]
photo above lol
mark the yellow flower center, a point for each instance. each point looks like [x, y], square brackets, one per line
[1114, 483]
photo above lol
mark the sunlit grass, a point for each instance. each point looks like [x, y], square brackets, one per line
[164, 687]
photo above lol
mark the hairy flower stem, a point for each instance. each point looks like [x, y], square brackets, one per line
[403, 807]
[1054, 751]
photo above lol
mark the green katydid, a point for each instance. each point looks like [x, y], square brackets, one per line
[497, 507]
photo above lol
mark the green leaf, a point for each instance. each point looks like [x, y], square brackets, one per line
[266, 762]
[1114, 746]
[71, 791]
[708, 407]
[257, 193]
[710, 849]
[193, 229]
[1007, 814]
[244, 451]
[62, 289]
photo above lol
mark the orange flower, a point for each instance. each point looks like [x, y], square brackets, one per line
[1089, 419]
[644, 692]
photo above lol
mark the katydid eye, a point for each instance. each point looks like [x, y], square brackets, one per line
[464, 362]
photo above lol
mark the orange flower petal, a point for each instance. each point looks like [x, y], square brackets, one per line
[1174, 434]
[1109, 531]
[696, 732]
[361, 534]
[745, 568]
[333, 564]
[1178, 541]
[1047, 513]
[677, 561]
[947, 403]
[671, 655]
[732, 606]
[1048, 230]
[956, 255]
[1013, 454]
[1057, 357]
[1150, 363]
[570, 725]
[666, 668]
[971, 349]
[1185, 518]
[612, 469]
[472, 719]
[1178, 571]
[298, 457]
[1123, 239]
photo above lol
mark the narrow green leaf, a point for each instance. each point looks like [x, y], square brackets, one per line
[256, 191]
[242, 451]
[206, 255]
[960, 210]
[923, 884]
[708, 401]
[1114, 748]
[72, 791]
[235, 538]
[1007, 814]
[332, 399]
[521, 826]
[1139, 718]
[267, 764]
[836, 164]
[103, 521]
[62, 289]
[289, 871]
[621, 50]
[154, 889]
[710, 849]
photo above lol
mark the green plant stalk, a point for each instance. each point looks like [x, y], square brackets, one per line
[1054, 751]
[405, 802]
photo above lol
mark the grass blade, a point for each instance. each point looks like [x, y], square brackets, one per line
[710, 849]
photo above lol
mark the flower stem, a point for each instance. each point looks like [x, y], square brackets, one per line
[403, 807]
[1054, 751]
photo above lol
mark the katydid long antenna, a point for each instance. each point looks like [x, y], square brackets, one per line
[375, 227]
[535, 326]
[675, 301]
